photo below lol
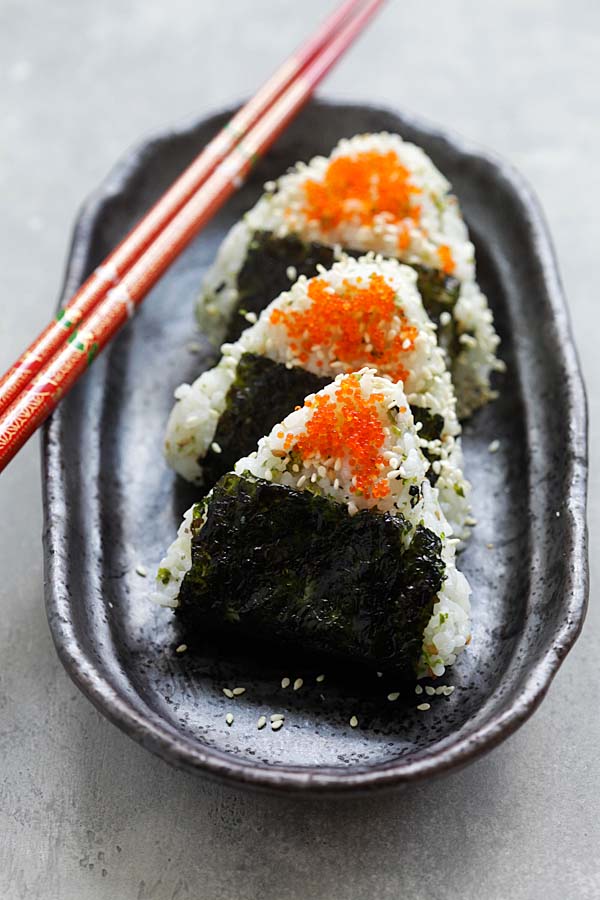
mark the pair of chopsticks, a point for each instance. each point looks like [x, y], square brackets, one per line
[33, 386]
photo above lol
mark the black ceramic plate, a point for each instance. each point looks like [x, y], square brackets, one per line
[112, 504]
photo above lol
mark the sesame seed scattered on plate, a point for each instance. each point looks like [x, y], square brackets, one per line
[261, 722]
[237, 692]
[320, 678]
[418, 689]
[229, 719]
[228, 693]
[181, 649]
[298, 683]
[424, 706]
[393, 696]
[277, 717]
[353, 722]
[430, 691]
[494, 446]
[275, 726]
[285, 682]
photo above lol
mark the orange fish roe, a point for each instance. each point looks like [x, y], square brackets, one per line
[446, 259]
[353, 326]
[347, 425]
[362, 187]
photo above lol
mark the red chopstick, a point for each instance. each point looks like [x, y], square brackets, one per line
[57, 376]
[131, 248]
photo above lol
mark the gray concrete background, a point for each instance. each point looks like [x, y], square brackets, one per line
[84, 812]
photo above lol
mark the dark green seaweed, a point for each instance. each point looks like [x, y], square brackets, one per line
[295, 568]
[431, 430]
[263, 393]
[264, 276]
[432, 423]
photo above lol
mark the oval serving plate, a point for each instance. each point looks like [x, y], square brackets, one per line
[112, 505]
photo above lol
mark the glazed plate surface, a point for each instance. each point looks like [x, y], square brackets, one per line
[112, 505]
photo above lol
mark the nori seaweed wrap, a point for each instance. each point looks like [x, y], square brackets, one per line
[274, 563]
[270, 259]
[328, 537]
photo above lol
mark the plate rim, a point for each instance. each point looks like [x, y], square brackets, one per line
[151, 730]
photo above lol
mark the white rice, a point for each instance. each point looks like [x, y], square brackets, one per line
[193, 421]
[282, 211]
[403, 467]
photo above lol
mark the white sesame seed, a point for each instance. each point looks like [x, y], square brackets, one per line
[557, 514]
[320, 678]
[229, 719]
[430, 691]
[490, 546]
[322, 471]
[418, 689]
[261, 722]
[143, 571]
[301, 481]
[298, 683]
[251, 317]
[285, 682]
[313, 478]
[393, 696]
[494, 446]
[424, 706]
[379, 674]
[275, 726]
[291, 273]
[216, 448]
[353, 722]
[228, 693]
[237, 692]
[181, 649]
[276, 717]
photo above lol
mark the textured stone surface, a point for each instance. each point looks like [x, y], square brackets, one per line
[86, 813]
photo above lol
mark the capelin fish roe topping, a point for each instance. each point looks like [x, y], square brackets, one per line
[357, 327]
[363, 188]
[347, 425]
[446, 259]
